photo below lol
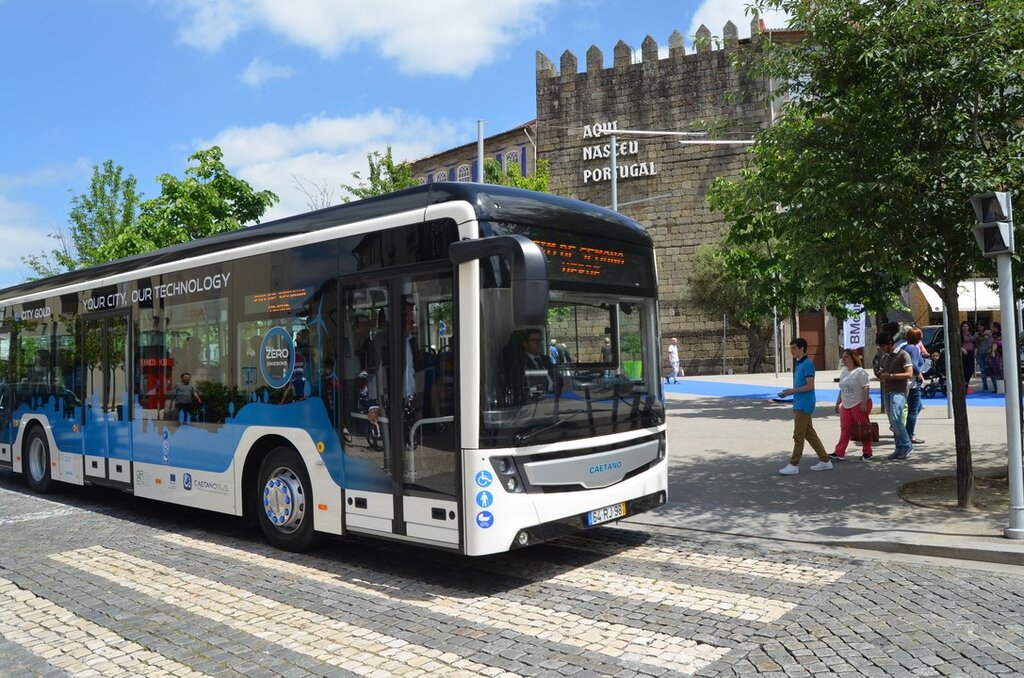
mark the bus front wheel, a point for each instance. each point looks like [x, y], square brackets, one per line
[36, 461]
[285, 500]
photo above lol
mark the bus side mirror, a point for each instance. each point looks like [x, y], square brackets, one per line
[529, 272]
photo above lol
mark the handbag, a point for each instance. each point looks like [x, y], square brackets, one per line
[864, 431]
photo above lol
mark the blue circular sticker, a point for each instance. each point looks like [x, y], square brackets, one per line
[484, 478]
[484, 499]
[277, 357]
[484, 519]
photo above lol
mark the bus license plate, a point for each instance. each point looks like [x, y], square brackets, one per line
[603, 515]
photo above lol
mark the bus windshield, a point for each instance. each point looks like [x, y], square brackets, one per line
[592, 370]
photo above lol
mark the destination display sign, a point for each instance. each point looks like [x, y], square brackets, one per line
[579, 258]
[278, 301]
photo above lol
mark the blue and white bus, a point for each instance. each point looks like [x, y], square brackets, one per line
[370, 368]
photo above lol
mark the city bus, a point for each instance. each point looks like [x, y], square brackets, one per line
[462, 366]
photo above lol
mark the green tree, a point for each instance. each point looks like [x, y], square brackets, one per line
[899, 112]
[207, 201]
[385, 176]
[512, 175]
[717, 291]
[97, 217]
[109, 222]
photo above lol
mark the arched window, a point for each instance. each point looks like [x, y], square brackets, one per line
[463, 173]
[512, 157]
[441, 176]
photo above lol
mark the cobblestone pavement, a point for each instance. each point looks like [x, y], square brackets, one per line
[96, 583]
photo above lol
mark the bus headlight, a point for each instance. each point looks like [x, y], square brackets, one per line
[508, 474]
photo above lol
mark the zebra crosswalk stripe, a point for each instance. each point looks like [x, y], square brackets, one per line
[351, 648]
[73, 644]
[612, 639]
[702, 599]
[659, 551]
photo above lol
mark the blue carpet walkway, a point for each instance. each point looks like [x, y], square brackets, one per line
[694, 386]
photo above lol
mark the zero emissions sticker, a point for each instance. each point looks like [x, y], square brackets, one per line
[277, 357]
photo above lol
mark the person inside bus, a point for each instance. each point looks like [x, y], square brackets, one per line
[297, 387]
[529, 373]
[330, 392]
[185, 396]
[354, 361]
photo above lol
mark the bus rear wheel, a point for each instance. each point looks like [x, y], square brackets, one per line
[36, 461]
[285, 500]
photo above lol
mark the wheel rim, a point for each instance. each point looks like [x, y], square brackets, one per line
[37, 459]
[284, 500]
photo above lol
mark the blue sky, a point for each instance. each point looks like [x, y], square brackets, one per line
[289, 88]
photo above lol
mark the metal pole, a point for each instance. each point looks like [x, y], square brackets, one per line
[945, 338]
[480, 151]
[725, 323]
[775, 338]
[615, 176]
[1014, 470]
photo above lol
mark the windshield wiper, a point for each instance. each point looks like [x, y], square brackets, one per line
[523, 437]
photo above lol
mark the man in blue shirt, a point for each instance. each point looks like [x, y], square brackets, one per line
[803, 410]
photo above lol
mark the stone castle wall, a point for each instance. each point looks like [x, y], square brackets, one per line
[662, 183]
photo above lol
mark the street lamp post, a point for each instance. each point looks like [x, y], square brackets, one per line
[994, 233]
[655, 133]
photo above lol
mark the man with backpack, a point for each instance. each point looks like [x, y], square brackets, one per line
[895, 374]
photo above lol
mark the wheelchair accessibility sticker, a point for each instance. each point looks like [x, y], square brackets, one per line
[484, 478]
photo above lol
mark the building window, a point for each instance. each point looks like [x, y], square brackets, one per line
[463, 173]
[441, 176]
[512, 158]
[421, 181]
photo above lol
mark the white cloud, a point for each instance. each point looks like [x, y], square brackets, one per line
[259, 71]
[211, 23]
[46, 176]
[450, 37]
[326, 150]
[23, 230]
[715, 13]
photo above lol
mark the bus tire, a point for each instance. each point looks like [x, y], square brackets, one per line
[36, 460]
[285, 500]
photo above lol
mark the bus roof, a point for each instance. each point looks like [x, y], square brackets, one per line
[490, 201]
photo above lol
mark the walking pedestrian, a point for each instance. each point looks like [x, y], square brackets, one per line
[803, 411]
[982, 348]
[967, 351]
[673, 361]
[853, 405]
[895, 374]
[914, 406]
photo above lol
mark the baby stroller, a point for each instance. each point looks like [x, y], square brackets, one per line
[934, 375]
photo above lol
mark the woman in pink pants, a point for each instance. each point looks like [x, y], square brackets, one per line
[853, 403]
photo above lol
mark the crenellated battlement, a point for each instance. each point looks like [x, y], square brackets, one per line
[623, 55]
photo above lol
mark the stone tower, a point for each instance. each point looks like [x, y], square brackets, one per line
[662, 183]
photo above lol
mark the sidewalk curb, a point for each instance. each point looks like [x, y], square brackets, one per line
[956, 552]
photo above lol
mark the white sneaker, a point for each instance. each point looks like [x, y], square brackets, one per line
[822, 466]
[790, 470]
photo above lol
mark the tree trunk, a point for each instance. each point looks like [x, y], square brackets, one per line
[958, 396]
[757, 348]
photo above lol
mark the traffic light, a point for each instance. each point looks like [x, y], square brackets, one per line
[994, 230]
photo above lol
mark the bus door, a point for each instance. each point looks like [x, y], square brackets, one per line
[6, 398]
[107, 412]
[399, 388]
